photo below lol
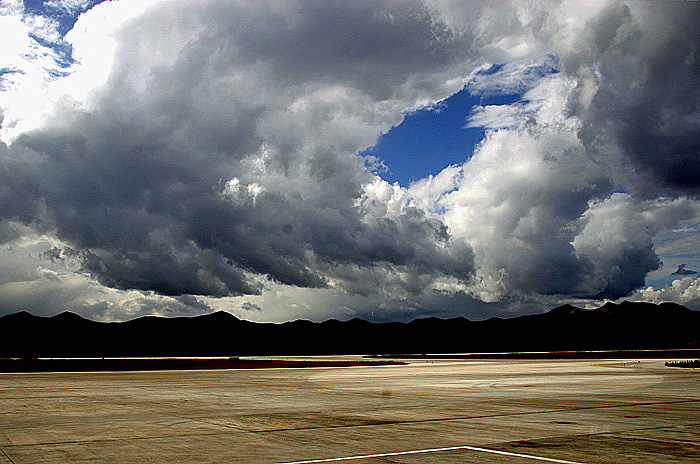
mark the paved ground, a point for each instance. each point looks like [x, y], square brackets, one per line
[481, 411]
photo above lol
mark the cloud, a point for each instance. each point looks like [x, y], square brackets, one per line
[47, 283]
[283, 303]
[220, 154]
[537, 202]
[685, 291]
[248, 306]
[520, 200]
[683, 271]
[616, 238]
[196, 304]
[512, 78]
[42, 67]
[630, 110]
[26, 63]
[215, 154]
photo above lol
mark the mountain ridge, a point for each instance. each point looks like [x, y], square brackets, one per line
[627, 325]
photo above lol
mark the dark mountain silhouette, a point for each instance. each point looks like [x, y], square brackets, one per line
[622, 326]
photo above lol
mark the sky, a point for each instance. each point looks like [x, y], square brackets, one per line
[387, 160]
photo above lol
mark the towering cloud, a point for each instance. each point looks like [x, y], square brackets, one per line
[220, 151]
[560, 197]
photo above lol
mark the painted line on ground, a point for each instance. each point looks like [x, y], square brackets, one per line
[433, 450]
[8, 458]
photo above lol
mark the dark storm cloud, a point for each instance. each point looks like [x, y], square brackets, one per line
[192, 176]
[161, 228]
[647, 103]
[641, 123]
[683, 271]
[371, 45]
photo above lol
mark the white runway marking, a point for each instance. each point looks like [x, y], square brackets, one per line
[434, 450]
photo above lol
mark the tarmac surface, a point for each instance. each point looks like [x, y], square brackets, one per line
[485, 411]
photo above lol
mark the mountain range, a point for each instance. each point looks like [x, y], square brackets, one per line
[624, 326]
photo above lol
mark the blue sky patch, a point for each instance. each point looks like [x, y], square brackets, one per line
[429, 140]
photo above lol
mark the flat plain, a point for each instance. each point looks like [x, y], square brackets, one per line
[512, 411]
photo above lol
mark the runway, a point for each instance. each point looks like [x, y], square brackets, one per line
[505, 411]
